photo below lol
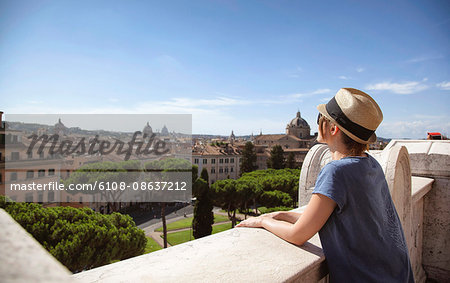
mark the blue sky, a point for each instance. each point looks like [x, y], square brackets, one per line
[234, 65]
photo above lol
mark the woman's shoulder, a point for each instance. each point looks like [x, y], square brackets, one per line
[351, 164]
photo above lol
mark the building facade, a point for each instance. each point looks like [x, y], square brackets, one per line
[222, 161]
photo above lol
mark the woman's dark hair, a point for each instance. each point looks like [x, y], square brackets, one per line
[355, 148]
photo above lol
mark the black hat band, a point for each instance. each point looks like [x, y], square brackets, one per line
[336, 113]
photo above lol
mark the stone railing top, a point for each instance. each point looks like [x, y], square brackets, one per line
[430, 158]
[236, 255]
[420, 187]
[23, 259]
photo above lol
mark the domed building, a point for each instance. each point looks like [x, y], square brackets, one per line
[297, 141]
[232, 138]
[164, 131]
[298, 127]
[147, 130]
[60, 128]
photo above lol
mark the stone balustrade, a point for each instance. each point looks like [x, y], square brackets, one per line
[244, 254]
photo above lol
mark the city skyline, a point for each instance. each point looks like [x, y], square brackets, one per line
[242, 66]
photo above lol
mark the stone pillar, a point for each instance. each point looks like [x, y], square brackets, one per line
[317, 157]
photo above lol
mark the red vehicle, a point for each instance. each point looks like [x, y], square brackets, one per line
[434, 136]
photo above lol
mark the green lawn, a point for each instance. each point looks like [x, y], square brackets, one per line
[151, 246]
[176, 238]
[187, 222]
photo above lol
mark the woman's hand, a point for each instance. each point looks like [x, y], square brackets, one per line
[254, 222]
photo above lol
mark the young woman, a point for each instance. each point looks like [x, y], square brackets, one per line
[351, 206]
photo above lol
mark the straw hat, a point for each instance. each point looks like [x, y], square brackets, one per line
[355, 113]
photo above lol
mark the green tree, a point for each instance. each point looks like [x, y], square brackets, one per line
[79, 238]
[290, 162]
[204, 175]
[248, 189]
[285, 180]
[276, 160]
[275, 198]
[106, 172]
[203, 214]
[248, 159]
[225, 196]
[161, 170]
[194, 173]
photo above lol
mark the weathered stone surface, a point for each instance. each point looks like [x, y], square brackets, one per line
[431, 158]
[236, 255]
[420, 187]
[317, 157]
[436, 231]
[23, 259]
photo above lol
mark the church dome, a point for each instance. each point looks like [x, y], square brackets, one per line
[60, 128]
[164, 131]
[147, 130]
[298, 121]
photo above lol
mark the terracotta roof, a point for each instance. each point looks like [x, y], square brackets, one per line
[295, 149]
[215, 150]
[276, 137]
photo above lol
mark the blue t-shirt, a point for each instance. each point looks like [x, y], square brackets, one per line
[362, 240]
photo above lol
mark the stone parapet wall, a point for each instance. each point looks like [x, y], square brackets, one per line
[244, 254]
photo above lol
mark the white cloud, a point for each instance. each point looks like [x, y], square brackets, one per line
[295, 73]
[423, 58]
[400, 88]
[413, 129]
[360, 70]
[344, 78]
[444, 85]
[315, 92]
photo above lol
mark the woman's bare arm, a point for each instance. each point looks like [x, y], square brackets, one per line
[309, 223]
[288, 216]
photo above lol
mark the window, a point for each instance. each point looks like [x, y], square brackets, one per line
[1, 178]
[13, 176]
[196, 160]
[226, 160]
[29, 197]
[220, 170]
[40, 197]
[51, 196]
[226, 169]
[41, 154]
[51, 172]
[67, 199]
[41, 173]
[30, 155]
[205, 161]
[231, 169]
[81, 199]
[30, 174]
[213, 161]
[14, 156]
[213, 170]
[221, 160]
[231, 160]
